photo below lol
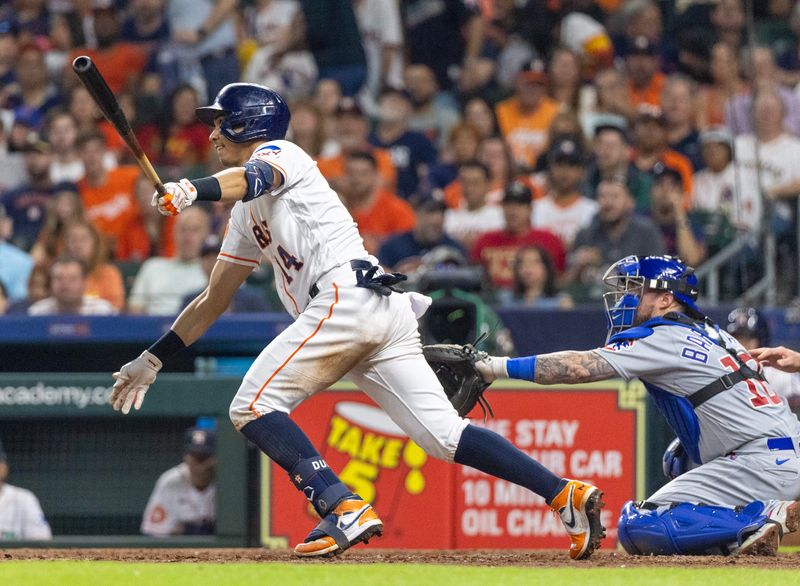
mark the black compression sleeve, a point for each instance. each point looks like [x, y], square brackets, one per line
[166, 346]
[208, 188]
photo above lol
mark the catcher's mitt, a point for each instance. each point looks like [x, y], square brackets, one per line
[455, 368]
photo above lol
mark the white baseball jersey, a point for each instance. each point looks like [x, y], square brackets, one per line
[21, 516]
[344, 329]
[302, 227]
[175, 503]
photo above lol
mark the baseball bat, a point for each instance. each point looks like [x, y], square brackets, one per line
[91, 77]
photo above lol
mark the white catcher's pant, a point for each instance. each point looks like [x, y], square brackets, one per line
[348, 329]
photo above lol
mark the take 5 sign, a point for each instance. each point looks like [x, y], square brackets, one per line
[591, 432]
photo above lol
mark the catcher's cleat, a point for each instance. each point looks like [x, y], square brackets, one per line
[782, 517]
[352, 522]
[578, 504]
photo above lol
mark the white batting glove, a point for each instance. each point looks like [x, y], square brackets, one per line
[133, 380]
[179, 196]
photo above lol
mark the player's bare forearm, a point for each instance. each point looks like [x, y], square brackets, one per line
[232, 183]
[572, 367]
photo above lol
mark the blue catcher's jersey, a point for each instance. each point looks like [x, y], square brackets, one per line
[674, 360]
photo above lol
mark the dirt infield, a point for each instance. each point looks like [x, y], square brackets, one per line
[528, 558]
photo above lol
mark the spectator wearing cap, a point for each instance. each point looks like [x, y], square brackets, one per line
[682, 236]
[247, 299]
[714, 188]
[351, 134]
[525, 118]
[379, 213]
[35, 96]
[403, 252]
[564, 209]
[465, 224]
[650, 140]
[434, 111]
[68, 292]
[26, 205]
[645, 80]
[616, 231]
[108, 197]
[777, 153]
[444, 38]
[497, 250]
[678, 105]
[162, 283]
[183, 501]
[612, 161]
[15, 264]
[21, 515]
[411, 152]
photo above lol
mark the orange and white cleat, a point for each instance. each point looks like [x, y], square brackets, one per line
[579, 504]
[353, 521]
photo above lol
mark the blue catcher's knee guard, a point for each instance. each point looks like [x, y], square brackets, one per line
[686, 529]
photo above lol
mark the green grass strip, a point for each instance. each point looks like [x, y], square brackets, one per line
[75, 573]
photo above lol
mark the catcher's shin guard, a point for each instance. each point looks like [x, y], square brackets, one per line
[579, 504]
[351, 522]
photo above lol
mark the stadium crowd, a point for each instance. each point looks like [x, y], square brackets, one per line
[538, 140]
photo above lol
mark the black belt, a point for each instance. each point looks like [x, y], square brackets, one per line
[383, 283]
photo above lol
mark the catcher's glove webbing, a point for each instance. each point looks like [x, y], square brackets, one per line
[455, 368]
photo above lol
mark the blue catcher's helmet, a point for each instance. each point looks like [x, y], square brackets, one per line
[748, 322]
[632, 276]
[251, 112]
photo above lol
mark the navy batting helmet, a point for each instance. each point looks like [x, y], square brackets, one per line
[747, 321]
[251, 112]
[631, 276]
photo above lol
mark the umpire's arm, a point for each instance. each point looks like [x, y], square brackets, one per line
[200, 314]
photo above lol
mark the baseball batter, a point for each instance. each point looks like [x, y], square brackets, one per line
[349, 318]
[735, 465]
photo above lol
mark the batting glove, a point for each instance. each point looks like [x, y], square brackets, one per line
[132, 382]
[179, 196]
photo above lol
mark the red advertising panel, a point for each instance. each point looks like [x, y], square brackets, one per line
[576, 434]
[592, 432]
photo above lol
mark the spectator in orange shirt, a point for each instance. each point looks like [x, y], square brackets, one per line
[644, 78]
[525, 117]
[351, 135]
[103, 280]
[109, 201]
[121, 63]
[378, 212]
[650, 140]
